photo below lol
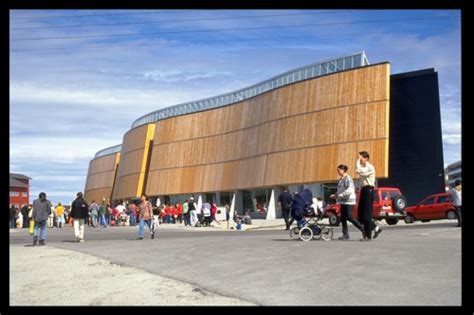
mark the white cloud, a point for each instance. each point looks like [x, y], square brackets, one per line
[452, 139]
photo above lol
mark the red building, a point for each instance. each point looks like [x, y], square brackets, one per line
[19, 190]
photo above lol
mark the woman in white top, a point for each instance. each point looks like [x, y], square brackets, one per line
[346, 198]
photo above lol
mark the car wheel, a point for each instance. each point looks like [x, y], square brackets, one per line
[391, 221]
[334, 220]
[306, 234]
[399, 203]
[451, 215]
[409, 219]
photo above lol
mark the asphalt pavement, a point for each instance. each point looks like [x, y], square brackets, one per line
[406, 265]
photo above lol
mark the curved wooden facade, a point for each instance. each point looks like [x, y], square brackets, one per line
[100, 177]
[295, 134]
[133, 162]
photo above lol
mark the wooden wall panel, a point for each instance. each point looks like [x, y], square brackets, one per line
[130, 174]
[100, 177]
[296, 134]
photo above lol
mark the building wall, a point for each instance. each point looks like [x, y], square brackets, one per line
[416, 148]
[19, 200]
[293, 135]
[130, 178]
[100, 177]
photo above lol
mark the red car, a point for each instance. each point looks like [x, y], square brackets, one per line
[389, 204]
[434, 207]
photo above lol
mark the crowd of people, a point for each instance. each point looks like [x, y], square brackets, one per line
[42, 213]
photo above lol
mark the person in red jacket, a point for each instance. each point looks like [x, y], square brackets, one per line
[214, 212]
[179, 212]
[168, 214]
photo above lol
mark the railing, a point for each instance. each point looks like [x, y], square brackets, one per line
[289, 77]
[109, 150]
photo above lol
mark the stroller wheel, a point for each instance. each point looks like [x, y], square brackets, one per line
[317, 232]
[306, 234]
[326, 234]
[294, 233]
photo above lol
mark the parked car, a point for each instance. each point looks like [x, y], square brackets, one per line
[389, 204]
[433, 207]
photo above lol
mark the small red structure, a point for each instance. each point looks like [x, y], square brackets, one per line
[19, 190]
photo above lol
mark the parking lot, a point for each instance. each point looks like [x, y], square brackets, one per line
[406, 265]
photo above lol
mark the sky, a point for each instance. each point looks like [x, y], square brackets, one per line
[71, 97]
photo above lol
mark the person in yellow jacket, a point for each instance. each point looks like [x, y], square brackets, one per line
[60, 215]
[32, 221]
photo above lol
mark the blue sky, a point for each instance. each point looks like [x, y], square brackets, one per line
[67, 104]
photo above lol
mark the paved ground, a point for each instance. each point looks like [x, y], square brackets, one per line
[406, 265]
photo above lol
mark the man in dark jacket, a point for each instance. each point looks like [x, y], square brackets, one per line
[41, 211]
[79, 212]
[285, 201]
[24, 213]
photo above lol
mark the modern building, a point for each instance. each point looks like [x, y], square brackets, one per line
[293, 129]
[454, 172]
[19, 190]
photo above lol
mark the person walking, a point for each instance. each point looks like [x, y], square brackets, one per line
[346, 198]
[365, 209]
[206, 211]
[41, 211]
[24, 212]
[102, 212]
[285, 199]
[60, 215]
[94, 211]
[79, 212]
[457, 200]
[146, 215]
[192, 212]
[186, 212]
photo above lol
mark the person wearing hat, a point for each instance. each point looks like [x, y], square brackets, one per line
[79, 212]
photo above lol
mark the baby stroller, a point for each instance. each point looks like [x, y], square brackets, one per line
[308, 221]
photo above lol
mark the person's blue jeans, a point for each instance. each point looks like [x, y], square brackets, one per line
[12, 223]
[42, 225]
[133, 220]
[141, 230]
[102, 220]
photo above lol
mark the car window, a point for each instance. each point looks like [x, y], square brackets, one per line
[443, 199]
[385, 195]
[376, 196]
[428, 201]
[393, 194]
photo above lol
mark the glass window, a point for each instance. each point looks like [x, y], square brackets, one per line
[357, 61]
[393, 194]
[261, 199]
[339, 64]
[226, 198]
[24, 194]
[428, 201]
[332, 66]
[347, 62]
[444, 199]
[324, 68]
[247, 201]
[385, 195]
